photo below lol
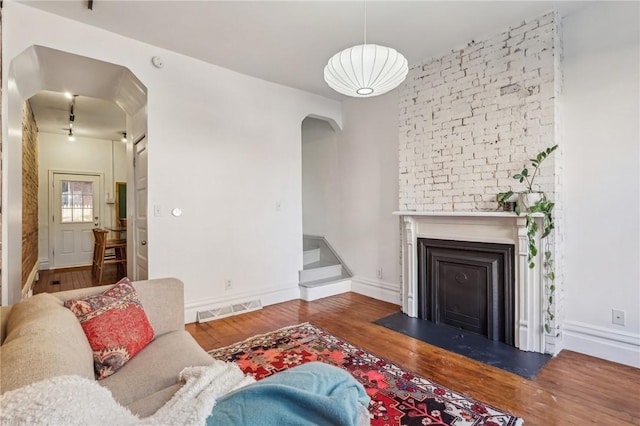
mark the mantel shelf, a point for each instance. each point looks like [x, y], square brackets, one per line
[462, 214]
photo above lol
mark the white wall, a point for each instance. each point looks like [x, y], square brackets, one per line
[369, 174]
[223, 147]
[601, 112]
[321, 181]
[56, 152]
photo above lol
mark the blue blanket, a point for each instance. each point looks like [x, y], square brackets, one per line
[310, 394]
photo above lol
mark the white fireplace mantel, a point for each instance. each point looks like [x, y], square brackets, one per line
[481, 226]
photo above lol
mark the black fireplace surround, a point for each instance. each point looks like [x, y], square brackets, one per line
[468, 285]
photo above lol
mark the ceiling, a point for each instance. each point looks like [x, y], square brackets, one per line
[94, 118]
[289, 42]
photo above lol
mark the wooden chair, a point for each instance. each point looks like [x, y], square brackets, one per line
[103, 255]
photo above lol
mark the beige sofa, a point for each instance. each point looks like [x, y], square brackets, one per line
[42, 339]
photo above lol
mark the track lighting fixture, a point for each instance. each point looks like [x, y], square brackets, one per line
[124, 137]
[72, 116]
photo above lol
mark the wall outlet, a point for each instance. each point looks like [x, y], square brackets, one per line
[379, 273]
[227, 284]
[617, 316]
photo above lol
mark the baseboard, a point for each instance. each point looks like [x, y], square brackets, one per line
[31, 279]
[267, 297]
[44, 264]
[381, 290]
[330, 289]
[607, 343]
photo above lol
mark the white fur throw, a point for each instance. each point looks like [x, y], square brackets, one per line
[75, 400]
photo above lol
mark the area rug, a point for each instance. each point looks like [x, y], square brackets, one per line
[398, 397]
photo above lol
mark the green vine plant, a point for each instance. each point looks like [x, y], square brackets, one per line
[544, 206]
[550, 287]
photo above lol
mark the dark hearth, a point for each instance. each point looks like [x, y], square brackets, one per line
[467, 285]
[471, 345]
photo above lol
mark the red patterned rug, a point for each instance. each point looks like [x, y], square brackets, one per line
[398, 397]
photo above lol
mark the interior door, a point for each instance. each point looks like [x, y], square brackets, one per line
[75, 211]
[140, 176]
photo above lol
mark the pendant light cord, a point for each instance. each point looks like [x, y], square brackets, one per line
[365, 21]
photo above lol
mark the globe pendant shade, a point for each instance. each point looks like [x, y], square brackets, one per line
[366, 70]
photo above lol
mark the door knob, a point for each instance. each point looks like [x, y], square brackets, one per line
[143, 242]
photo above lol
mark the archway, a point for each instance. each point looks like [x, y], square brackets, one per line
[40, 68]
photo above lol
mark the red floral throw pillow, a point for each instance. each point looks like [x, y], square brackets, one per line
[115, 324]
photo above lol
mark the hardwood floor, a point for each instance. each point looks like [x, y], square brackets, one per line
[572, 389]
[73, 278]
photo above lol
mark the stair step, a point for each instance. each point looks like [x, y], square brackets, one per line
[318, 271]
[325, 281]
[311, 256]
[330, 287]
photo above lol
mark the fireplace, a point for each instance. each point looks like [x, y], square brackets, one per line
[468, 285]
[526, 324]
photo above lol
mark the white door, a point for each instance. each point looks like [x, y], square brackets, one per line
[75, 211]
[140, 229]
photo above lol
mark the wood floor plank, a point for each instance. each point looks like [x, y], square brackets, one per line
[572, 389]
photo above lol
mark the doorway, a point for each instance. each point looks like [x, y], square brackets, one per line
[42, 68]
[74, 211]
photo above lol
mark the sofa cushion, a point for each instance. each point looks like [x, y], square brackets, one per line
[43, 340]
[115, 324]
[154, 369]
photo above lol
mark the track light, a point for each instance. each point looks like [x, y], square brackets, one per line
[72, 116]
[124, 137]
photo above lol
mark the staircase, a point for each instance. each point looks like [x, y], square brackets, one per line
[323, 274]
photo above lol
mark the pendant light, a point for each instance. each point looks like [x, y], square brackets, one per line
[366, 70]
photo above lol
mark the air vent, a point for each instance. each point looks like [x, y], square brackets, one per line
[228, 310]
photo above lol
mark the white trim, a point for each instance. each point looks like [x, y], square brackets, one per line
[44, 264]
[267, 297]
[462, 214]
[32, 278]
[607, 343]
[325, 290]
[381, 290]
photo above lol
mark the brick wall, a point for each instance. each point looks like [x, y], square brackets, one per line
[470, 119]
[29, 192]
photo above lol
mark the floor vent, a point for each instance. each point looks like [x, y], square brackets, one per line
[227, 311]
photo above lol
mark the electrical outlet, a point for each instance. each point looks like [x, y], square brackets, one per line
[379, 273]
[227, 284]
[617, 316]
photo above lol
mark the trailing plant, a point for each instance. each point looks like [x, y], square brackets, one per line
[544, 206]
[550, 287]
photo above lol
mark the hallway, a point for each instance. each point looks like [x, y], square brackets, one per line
[52, 281]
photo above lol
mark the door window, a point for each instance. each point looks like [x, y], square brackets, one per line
[77, 201]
